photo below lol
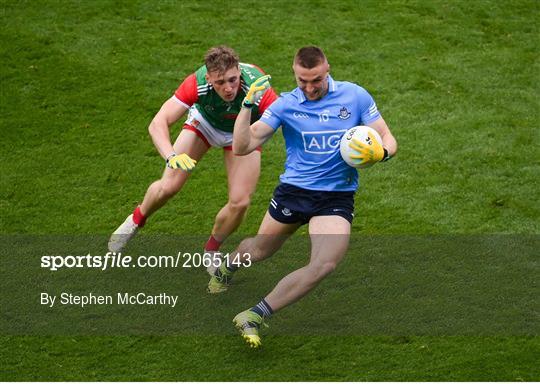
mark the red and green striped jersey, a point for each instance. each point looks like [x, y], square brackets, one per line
[195, 90]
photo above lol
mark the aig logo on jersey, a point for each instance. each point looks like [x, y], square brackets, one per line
[321, 142]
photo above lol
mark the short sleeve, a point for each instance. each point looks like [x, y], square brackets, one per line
[267, 99]
[187, 91]
[368, 108]
[273, 114]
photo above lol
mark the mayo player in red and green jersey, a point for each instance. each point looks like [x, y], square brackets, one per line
[213, 97]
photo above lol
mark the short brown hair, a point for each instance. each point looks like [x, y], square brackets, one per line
[309, 57]
[220, 59]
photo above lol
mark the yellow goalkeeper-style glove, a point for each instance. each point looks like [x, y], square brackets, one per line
[256, 90]
[181, 161]
[368, 153]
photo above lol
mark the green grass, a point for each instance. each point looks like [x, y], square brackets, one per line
[457, 82]
[283, 359]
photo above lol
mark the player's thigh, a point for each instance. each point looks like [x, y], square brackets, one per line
[187, 142]
[329, 239]
[242, 174]
[272, 234]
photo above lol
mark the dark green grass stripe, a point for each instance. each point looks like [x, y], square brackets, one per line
[281, 358]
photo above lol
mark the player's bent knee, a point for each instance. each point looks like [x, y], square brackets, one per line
[249, 246]
[246, 246]
[168, 189]
[239, 205]
[321, 270]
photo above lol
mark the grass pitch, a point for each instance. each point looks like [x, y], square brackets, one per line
[457, 82]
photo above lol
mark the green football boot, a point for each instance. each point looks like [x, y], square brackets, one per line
[220, 284]
[248, 324]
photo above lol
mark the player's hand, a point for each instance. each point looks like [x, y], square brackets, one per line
[181, 161]
[256, 90]
[367, 153]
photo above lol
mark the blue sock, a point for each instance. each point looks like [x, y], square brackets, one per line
[263, 309]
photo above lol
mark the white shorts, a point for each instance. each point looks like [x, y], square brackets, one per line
[213, 137]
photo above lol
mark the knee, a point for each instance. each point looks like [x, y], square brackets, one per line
[239, 205]
[320, 270]
[250, 248]
[168, 189]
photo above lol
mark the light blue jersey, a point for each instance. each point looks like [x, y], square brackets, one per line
[313, 130]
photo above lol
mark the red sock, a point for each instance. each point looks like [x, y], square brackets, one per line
[138, 217]
[212, 244]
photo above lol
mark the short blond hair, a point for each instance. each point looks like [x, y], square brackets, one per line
[220, 59]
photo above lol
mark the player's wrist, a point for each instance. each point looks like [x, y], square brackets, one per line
[386, 155]
[247, 104]
[168, 158]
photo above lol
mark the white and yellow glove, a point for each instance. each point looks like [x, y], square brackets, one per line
[256, 90]
[181, 161]
[368, 153]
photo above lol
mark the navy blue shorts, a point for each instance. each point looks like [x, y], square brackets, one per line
[292, 204]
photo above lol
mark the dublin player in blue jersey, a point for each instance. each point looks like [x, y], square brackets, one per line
[317, 187]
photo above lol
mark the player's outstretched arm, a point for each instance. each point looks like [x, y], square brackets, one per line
[170, 112]
[246, 137]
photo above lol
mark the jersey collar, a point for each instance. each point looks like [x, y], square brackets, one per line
[302, 97]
